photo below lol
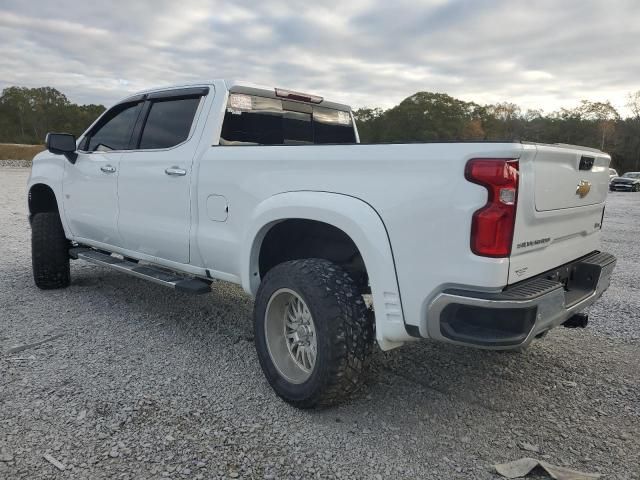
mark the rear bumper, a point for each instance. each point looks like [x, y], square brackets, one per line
[514, 317]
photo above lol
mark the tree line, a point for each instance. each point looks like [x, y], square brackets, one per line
[428, 117]
[27, 114]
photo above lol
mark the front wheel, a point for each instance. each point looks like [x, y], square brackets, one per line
[636, 187]
[312, 332]
[49, 252]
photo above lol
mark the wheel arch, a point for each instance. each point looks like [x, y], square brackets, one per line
[360, 223]
[47, 173]
[41, 198]
[300, 238]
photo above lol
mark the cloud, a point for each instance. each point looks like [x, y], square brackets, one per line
[538, 54]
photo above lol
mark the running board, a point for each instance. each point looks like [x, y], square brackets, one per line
[147, 272]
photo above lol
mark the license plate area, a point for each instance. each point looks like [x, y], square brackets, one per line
[579, 280]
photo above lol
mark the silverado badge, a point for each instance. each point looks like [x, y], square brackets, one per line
[583, 188]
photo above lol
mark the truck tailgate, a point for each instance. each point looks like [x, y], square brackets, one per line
[561, 198]
[561, 171]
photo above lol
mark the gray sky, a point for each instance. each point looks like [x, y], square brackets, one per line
[546, 54]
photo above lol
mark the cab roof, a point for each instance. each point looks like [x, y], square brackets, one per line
[238, 86]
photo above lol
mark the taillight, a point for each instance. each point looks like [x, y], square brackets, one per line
[492, 226]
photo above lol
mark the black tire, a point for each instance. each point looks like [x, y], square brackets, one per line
[49, 252]
[636, 188]
[344, 332]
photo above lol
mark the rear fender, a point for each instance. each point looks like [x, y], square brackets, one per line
[361, 223]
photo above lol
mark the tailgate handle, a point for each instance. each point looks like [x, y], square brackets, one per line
[586, 162]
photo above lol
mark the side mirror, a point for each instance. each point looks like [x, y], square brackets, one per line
[62, 144]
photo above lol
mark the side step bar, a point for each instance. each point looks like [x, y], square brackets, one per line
[147, 272]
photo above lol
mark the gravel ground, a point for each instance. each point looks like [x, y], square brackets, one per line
[137, 381]
[15, 163]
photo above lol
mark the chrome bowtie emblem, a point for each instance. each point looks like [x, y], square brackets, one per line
[583, 188]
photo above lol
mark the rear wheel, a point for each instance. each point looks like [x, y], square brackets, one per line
[49, 251]
[313, 336]
[636, 187]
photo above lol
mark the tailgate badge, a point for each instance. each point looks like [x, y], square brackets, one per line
[583, 188]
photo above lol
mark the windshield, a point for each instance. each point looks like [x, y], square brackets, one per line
[632, 175]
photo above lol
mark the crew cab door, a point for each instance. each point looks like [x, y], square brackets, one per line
[154, 182]
[90, 196]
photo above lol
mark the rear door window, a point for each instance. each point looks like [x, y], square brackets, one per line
[254, 120]
[168, 123]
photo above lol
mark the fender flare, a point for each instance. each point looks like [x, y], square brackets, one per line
[56, 188]
[361, 223]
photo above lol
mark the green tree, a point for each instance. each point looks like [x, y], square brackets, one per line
[502, 121]
[424, 116]
[603, 114]
[370, 124]
[427, 116]
[27, 114]
[631, 130]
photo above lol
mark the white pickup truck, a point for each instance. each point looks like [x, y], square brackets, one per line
[342, 245]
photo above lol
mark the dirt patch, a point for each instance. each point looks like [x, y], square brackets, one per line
[16, 151]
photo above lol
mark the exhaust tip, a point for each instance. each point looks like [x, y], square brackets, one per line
[579, 320]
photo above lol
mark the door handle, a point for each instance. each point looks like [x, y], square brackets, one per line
[108, 169]
[175, 171]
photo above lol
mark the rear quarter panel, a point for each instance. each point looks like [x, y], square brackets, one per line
[418, 190]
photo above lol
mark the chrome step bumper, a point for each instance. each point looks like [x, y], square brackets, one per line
[513, 317]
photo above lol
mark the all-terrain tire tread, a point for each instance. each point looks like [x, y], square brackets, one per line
[350, 328]
[49, 252]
